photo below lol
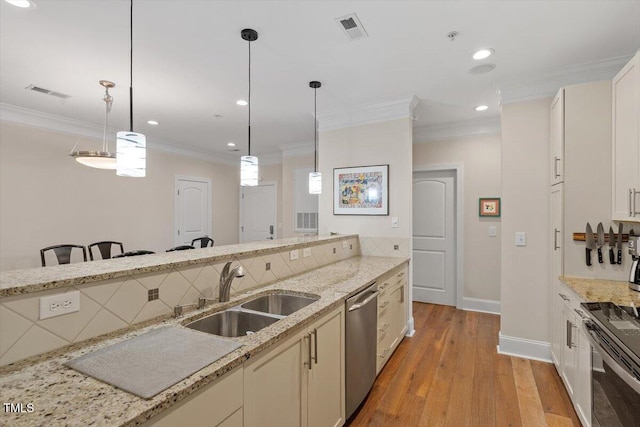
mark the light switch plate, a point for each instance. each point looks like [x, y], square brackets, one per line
[492, 231]
[521, 238]
[306, 252]
[394, 222]
[293, 255]
[57, 305]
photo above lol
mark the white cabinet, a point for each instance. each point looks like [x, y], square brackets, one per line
[300, 382]
[392, 314]
[626, 142]
[556, 137]
[556, 271]
[218, 404]
[573, 353]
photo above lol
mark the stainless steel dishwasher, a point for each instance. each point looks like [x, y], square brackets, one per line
[361, 340]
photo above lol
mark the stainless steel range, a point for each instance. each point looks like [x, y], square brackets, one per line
[614, 333]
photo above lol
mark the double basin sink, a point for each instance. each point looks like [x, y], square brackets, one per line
[253, 315]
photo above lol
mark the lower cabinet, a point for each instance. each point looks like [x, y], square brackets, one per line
[571, 350]
[300, 382]
[392, 314]
[218, 404]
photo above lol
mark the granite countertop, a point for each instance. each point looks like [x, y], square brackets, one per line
[63, 396]
[29, 280]
[598, 290]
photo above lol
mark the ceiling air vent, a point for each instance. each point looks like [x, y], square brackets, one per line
[352, 27]
[48, 92]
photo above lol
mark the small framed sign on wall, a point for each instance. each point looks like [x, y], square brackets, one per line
[361, 190]
[490, 206]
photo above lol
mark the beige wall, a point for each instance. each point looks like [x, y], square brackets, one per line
[372, 144]
[525, 207]
[480, 159]
[289, 164]
[47, 198]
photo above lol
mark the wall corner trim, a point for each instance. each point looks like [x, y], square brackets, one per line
[368, 113]
[525, 348]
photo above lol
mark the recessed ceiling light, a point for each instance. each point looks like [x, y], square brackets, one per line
[481, 108]
[482, 54]
[242, 102]
[152, 122]
[25, 4]
[231, 144]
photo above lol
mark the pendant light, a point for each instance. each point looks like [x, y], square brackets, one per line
[132, 146]
[249, 163]
[315, 177]
[99, 159]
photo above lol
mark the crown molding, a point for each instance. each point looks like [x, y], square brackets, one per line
[367, 113]
[297, 149]
[38, 119]
[516, 91]
[459, 129]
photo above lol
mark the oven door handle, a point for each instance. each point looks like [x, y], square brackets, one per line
[613, 364]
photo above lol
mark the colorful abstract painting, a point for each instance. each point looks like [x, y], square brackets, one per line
[361, 190]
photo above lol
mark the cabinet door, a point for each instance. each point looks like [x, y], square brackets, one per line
[273, 387]
[557, 330]
[626, 142]
[570, 352]
[583, 395]
[325, 377]
[556, 137]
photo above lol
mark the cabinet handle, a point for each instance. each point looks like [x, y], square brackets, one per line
[633, 198]
[564, 297]
[630, 197]
[384, 353]
[308, 336]
[384, 327]
[555, 166]
[383, 306]
[400, 274]
[402, 295]
[570, 327]
[315, 341]
[581, 314]
[555, 239]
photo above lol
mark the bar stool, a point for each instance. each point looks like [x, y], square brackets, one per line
[181, 248]
[204, 242]
[133, 253]
[105, 248]
[63, 253]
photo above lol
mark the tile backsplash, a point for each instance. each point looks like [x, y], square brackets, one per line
[384, 246]
[109, 305]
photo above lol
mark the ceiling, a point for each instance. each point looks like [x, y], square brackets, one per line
[190, 64]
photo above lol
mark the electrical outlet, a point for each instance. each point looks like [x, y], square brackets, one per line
[344, 245]
[57, 305]
[293, 255]
[492, 231]
[334, 250]
[521, 238]
[306, 252]
[267, 266]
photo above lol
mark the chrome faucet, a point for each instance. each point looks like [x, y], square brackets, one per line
[226, 277]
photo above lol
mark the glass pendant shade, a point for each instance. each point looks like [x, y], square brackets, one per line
[95, 159]
[248, 171]
[131, 154]
[315, 183]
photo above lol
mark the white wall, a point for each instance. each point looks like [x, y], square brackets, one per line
[525, 207]
[289, 164]
[273, 173]
[480, 158]
[47, 198]
[372, 144]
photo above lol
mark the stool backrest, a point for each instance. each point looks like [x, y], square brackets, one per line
[105, 248]
[63, 253]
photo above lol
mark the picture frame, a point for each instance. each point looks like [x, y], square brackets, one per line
[361, 190]
[489, 207]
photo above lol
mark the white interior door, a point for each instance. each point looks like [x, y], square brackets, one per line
[434, 257]
[193, 202]
[258, 213]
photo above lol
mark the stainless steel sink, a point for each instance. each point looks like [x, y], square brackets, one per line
[279, 304]
[232, 323]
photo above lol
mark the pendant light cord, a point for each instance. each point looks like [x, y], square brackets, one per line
[249, 153]
[131, 67]
[315, 129]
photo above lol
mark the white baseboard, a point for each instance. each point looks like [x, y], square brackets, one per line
[521, 347]
[481, 305]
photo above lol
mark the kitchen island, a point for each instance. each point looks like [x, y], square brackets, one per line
[62, 396]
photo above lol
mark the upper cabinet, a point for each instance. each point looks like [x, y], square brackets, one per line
[557, 138]
[626, 142]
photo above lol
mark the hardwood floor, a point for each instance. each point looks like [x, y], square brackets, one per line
[450, 374]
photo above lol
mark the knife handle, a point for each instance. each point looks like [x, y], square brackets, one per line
[588, 256]
[600, 256]
[612, 256]
[619, 256]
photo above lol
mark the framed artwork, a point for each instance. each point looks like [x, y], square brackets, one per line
[361, 190]
[490, 206]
